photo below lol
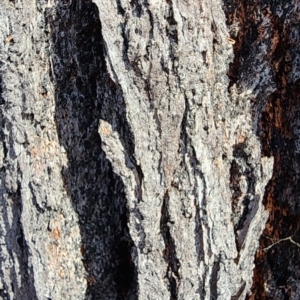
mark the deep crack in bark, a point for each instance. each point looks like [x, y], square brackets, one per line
[97, 193]
[170, 257]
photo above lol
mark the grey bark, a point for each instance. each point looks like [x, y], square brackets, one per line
[137, 141]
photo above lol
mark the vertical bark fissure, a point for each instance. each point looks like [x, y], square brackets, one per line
[121, 10]
[18, 249]
[125, 32]
[3, 190]
[213, 282]
[1, 88]
[248, 201]
[200, 204]
[186, 147]
[9, 233]
[201, 221]
[173, 263]
[27, 277]
[84, 94]
[172, 29]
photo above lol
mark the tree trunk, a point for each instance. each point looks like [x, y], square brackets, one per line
[149, 149]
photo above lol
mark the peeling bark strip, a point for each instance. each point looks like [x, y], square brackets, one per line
[136, 142]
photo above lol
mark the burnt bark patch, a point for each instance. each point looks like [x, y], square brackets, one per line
[275, 272]
[273, 25]
[243, 32]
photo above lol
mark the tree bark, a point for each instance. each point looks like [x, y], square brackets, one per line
[149, 149]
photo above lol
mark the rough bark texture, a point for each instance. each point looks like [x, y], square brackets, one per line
[137, 142]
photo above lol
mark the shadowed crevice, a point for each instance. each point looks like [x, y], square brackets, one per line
[85, 93]
[200, 204]
[1, 88]
[17, 249]
[170, 256]
[214, 279]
